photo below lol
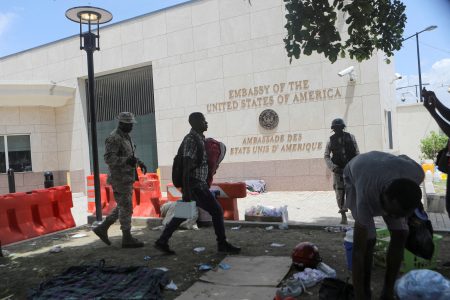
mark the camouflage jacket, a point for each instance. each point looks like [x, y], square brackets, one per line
[119, 147]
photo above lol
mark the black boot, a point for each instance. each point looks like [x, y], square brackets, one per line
[102, 231]
[344, 218]
[129, 241]
[164, 247]
[226, 247]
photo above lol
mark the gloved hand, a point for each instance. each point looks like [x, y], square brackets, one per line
[131, 161]
[338, 170]
[143, 167]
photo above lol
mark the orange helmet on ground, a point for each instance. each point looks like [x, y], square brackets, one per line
[306, 255]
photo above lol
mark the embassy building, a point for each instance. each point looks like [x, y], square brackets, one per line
[224, 58]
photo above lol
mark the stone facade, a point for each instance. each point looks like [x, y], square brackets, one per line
[224, 58]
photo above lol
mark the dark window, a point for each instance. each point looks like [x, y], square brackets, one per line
[2, 155]
[19, 153]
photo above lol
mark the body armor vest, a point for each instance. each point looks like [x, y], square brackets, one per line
[342, 148]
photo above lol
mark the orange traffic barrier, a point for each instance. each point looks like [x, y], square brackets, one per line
[173, 193]
[62, 201]
[110, 201]
[27, 215]
[44, 210]
[228, 194]
[91, 191]
[9, 227]
[147, 197]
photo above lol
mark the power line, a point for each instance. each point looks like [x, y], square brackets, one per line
[436, 48]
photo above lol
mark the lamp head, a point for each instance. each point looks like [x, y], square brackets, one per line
[88, 15]
[432, 27]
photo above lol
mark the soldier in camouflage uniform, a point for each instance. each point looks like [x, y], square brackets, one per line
[340, 149]
[120, 158]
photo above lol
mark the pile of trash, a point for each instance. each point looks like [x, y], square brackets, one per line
[267, 211]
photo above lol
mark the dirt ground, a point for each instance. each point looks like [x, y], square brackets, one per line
[31, 262]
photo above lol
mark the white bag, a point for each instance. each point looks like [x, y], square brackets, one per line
[185, 210]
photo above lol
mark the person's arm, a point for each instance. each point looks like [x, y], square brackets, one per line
[189, 156]
[430, 104]
[327, 157]
[112, 153]
[360, 235]
[394, 259]
[186, 190]
[442, 109]
[355, 144]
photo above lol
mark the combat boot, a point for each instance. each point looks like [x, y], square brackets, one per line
[102, 231]
[128, 241]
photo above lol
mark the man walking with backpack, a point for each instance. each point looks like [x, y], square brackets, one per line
[340, 149]
[194, 185]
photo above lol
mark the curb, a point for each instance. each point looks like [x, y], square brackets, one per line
[153, 222]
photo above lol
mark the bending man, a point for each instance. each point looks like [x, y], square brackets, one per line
[380, 184]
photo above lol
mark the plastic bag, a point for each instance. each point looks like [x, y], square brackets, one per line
[423, 285]
[420, 237]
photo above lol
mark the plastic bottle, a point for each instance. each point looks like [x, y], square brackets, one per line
[428, 176]
[348, 245]
[329, 271]
[284, 217]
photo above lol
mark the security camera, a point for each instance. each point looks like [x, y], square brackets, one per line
[346, 71]
[398, 76]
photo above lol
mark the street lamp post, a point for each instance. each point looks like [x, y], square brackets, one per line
[90, 42]
[429, 28]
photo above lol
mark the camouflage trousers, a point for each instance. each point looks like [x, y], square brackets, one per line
[124, 208]
[339, 189]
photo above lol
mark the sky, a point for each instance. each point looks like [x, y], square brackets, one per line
[25, 24]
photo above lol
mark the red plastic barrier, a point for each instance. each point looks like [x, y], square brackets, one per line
[27, 215]
[91, 191]
[62, 203]
[43, 211]
[173, 193]
[111, 201]
[29, 226]
[147, 199]
[9, 227]
[229, 191]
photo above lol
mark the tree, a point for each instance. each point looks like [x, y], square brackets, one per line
[431, 144]
[372, 24]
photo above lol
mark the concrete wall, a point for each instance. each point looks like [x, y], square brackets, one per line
[414, 123]
[205, 53]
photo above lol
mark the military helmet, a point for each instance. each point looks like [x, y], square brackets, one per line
[338, 122]
[126, 117]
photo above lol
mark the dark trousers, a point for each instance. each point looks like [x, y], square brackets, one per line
[205, 200]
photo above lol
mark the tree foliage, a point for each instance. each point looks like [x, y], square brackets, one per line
[372, 24]
[431, 144]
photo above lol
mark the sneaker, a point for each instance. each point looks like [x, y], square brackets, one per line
[163, 247]
[228, 248]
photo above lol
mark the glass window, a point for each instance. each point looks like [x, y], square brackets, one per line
[19, 153]
[2, 155]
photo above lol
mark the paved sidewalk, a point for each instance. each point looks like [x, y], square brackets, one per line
[318, 208]
[312, 208]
